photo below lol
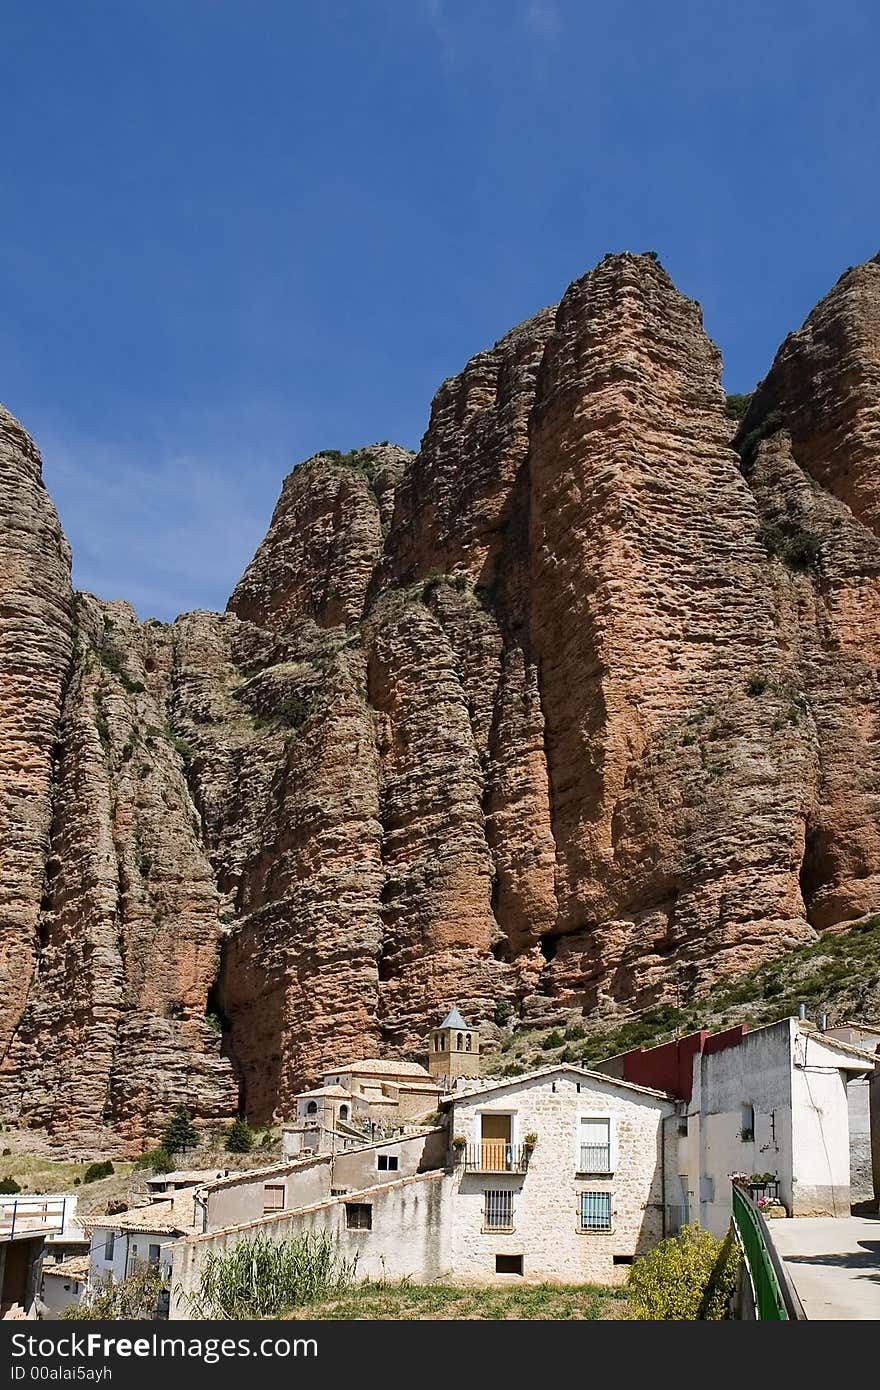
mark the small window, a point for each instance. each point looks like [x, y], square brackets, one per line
[108, 1248]
[338, 1191]
[622, 1259]
[388, 1163]
[359, 1216]
[458, 1043]
[508, 1264]
[312, 1107]
[273, 1196]
[747, 1131]
[153, 1254]
[343, 1112]
[467, 1043]
[498, 1210]
[595, 1211]
[594, 1145]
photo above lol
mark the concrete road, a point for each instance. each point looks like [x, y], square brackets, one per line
[834, 1265]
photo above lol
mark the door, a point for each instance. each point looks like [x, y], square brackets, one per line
[495, 1142]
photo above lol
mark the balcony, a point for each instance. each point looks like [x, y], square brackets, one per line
[594, 1158]
[494, 1156]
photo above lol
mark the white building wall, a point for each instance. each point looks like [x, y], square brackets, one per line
[753, 1075]
[409, 1236]
[135, 1244]
[546, 1199]
[820, 1131]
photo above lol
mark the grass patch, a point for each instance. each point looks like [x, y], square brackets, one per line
[399, 1302]
[836, 973]
[36, 1174]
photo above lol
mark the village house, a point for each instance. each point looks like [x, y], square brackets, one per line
[63, 1284]
[142, 1235]
[558, 1174]
[358, 1101]
[770, 1100]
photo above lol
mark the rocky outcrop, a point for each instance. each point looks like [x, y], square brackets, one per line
[574, 709]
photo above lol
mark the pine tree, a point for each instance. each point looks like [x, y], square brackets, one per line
[240, 1139]
[180, 1132]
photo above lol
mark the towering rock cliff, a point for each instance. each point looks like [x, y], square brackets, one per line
[576, 708]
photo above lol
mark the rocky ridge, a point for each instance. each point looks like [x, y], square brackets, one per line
[575, 711]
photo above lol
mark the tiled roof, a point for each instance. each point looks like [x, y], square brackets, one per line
[75, 1267]
[378, 1066]
[175, 1214]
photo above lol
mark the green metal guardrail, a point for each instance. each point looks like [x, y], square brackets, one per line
[774, 1295]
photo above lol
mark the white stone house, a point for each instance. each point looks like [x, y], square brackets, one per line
[558, 1175]
[141, 1236]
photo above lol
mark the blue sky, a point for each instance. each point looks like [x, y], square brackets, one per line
[233, 233]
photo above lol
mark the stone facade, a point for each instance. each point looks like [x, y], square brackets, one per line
[546, 1197]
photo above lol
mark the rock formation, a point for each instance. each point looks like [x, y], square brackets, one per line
[576, 709]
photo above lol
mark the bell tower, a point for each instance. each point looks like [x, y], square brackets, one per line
[454, 1049]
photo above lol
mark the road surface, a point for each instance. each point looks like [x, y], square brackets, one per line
[834, 1264]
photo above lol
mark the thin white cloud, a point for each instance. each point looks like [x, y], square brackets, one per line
[543, 18]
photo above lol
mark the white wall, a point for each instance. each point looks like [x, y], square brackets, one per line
[409, 1236]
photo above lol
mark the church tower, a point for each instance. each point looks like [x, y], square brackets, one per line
[454, 1049]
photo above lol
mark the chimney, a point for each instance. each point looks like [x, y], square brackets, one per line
[802, 1012]
[823, 1023]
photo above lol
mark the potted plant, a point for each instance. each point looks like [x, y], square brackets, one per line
[530, 1140]
[459, 1144]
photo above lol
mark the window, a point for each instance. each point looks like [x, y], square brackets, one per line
[458, 1042]
[747, 1131]
[359, 1216]
[108, 1248]
[343, 1112]
[594, 1144]
[388, 1163]
[508, 1264]
[623, 1259]
[153, 1254]
[467, 1043]
[595, 1211]
[273, 1196]
[312, 1107]
[498, 1210]
[338, 1191]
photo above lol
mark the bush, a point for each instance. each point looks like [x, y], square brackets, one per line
[159, 1159]
[735, 406]
[180, 1132]
[96, 1171]
[263, 1278]
[553, 1039]
[9, 1185]
[668, 1284]
[240, 1138]
[787, 542]
[756, 686]
[503, 1012]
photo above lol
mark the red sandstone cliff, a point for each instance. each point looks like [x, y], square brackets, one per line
[575, 708]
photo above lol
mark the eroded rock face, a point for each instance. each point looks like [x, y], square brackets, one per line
[576, 708]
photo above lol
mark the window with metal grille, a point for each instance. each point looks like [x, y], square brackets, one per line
[594, 1145]
[153, 1254]
[388, 1163]
[359, 1216]
[498, 1210]
[595, 1211]
[273, 1197]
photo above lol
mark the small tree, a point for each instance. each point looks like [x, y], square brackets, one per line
[96, 1171]
[159, 1159]
[180, 1132]
[9, 1185]
[669, 1283]
[240, 1139]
